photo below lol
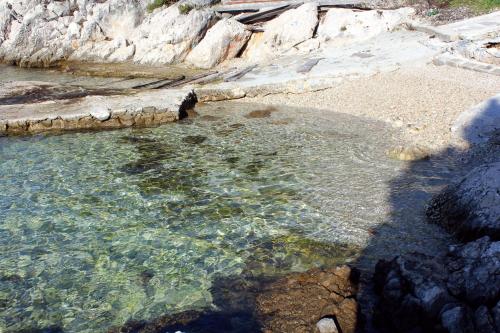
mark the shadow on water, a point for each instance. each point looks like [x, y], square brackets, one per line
[234, 297]
[443, 168]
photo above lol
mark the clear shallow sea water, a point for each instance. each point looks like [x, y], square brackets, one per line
[99, 228]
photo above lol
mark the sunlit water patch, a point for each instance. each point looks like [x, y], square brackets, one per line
[102, 227]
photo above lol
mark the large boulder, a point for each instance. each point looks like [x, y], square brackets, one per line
[456, 293]
[479, 124]
[223, 41]
[285, 32]
[296, 303]
[346, 25]
[166, 36]
[470, 208]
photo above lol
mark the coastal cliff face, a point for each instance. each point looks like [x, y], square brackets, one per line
[42, 33]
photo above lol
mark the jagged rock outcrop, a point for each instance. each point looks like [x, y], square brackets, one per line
[223, 41]
[284, 32]
[458, 293]
[470, 208]
[347, 26]
[41, 33]
[166, 36]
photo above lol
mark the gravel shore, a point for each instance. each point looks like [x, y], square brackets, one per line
[423, 101]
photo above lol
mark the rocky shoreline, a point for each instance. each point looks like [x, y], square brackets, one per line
[458, 291]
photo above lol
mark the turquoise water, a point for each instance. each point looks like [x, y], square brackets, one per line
[99, 228]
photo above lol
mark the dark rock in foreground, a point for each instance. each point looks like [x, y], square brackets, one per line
[458, 293]
[471, 208]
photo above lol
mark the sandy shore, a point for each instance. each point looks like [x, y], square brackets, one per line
[423, 101]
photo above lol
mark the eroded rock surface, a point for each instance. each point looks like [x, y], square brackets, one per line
[297, 302]
[27, 107]
[41, 33]
[284, 32]
[457, 293]
[470, 208]
[348, 26]
[223, 41]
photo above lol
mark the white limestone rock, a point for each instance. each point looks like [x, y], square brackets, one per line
[346, 26]
[479, 124]
[100, 112]
[5, 19]
[122, 54]
[59, 8]
[285, 32]
[223, 41]
[327, 325]
[94, 52]
[166, 36]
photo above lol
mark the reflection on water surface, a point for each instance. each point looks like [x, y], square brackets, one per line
[101, 227]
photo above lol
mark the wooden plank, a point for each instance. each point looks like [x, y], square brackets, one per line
[266, 14]
[256, 5]
[155, 84]
[170, 83]
[208, 78]
[243, 18]
[188, 80]
[239, 74]
[308, 65]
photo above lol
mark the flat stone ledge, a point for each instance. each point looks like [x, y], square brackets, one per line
[476, 28]
[461, 62]
[145, 108]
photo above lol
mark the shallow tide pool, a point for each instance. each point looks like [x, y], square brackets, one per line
[98, 228]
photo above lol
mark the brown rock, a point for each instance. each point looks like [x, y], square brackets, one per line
[297, 302]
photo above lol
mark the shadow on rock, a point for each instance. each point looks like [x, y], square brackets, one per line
[455, 288]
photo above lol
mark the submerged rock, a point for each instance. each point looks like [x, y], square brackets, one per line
[264, 113]
[408, 153]
[309, 302]
[194, 139]
[470, 208]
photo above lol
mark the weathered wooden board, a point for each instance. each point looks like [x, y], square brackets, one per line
[239, 74]
[238, 6]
